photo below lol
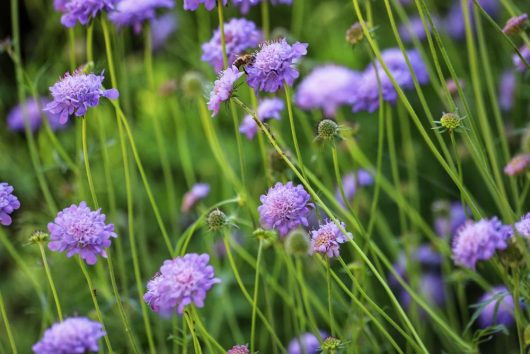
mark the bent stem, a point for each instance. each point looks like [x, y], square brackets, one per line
[50, 281]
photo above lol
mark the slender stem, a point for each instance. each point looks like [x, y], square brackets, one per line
[518, 312]
[255, 297]
[338, 177]
[10, 337]
[293, 129]
[50, 281]
[330, 297]
[191, 326]
[87, 163]
[222, 30]
[205, 332]
[265, 19]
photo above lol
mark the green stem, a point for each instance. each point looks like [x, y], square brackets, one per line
[255, 297]
[10, 337]
[191, 326]
[222, 30]
[265, 19]
[330, 302]
[50, 281]
[293, 129]
[87, 163]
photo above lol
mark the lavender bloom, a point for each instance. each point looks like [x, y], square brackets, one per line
[327, 87]
[517, 165]
[327, 239]
[198, 192]
[238, 349]
[15, 118]
[518, 62]
[268, 108]
[192, 5]
[366, 93]
[162, 28]
[274, 65]
[523, 226]
[397, 65]
[351, 181]
[245, 5]
[479, 240]
[284, 207]
[135, 12]
[74, 94]
[73, 335]
[455, 22]
[8, 203]
[499, 308]
[307, 343]
[450, 220]
[223, 88]
[81, 10]
[79, 230]
[415, 29]
[515, 24]
[180, 282]
[240, 35]
[507, 90]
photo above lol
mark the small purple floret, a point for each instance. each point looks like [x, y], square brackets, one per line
[327, 239]
[523, 226]
[498, 308]
[268, 108]
[135, 12]
[8, 203]
[223, 88]
[81, 11]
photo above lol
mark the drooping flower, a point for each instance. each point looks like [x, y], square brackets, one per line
[327, 87]
[327, 239]
[523, 226]
[307, 343]
[476, 241]
[8, 203]
[181, 282]
[268, 108]
[498, 308]
[198, 192]
[32, 111]
[284, 207]
[449, 217]
[274, 65]
[162, 28]
[238, 349]
[74, 94]
[507, 90]
[79, 230]
[135, 12]
[73, 335]
[81, 10]
[351, 181]
[223, 88]
[515, 24]
[517, 165]
[240, 35]
[520, 65]
[192, 5]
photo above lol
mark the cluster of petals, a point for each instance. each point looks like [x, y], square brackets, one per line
[135, 12]
[327, 239]
[223, 88]
[8, 203]
[81, 11]
[268, 108]
[31, 111]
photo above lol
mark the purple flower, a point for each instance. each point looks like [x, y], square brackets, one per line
[73, 335]
[79, 230]
[223, 88]
[523, 226]
[240, 35]
[284, 207]
[515, 24]
[135, 12]
[198, 192]
[81, 10]
[517, 165]
[245, 5]
[238, 349]
[327, 87]
[268, 108]
[274, 65]
[520, 65]
[162, 28]
[307, 343]
[479, 240]
[507, 90]
[284, 2]
[455, 23]
[8, 203]
[32, 110]
[431, 287]
[397, 65]
[74, 94]
[327, 239]
[351, 181]
[180, 282]
[192, 5]
[366, 93]
[498, 308]
[415, 29]
[449, 218]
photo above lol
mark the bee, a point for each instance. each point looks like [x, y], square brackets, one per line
[243, 60]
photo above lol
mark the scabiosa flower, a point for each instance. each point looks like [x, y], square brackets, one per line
[397, 65]
[479, 240]
[240, 35]
[515, 24]
[180, 282]
[274, 65]
[523, 226]
[223, 88]
[192, 5]
[284, 207]
[198, 192]
[449, 217]
[245, 5]
[238, 349]
[162, 28]
[135, 12]
[73, 335]
[498, 308]
[307, 343]
[517, 165]
[455, 23]
[327, 87]
[507, 90]
[366, 93]
[327, 239]
[415, 29]
[74, 94]
[8, 203]
[81, 10]
[31, 111]
[351, 181]
[268, 108]
[518, 62]
[79, 230]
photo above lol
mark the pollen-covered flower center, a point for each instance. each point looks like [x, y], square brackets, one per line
[324, 238]
[82, 232]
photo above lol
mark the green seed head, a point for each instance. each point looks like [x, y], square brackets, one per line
[192, 84]
[38, 237]
[331, 345]
[327, 129]
[450, 121]
[216, 220]
[297, 243]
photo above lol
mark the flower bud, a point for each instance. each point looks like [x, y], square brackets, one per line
[216, 220]
[297, 243]
[327, 130]
[38, 237]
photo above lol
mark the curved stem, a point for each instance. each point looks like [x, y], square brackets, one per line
[293, 130]
[191, 326]
[50, 281]
[10, 337]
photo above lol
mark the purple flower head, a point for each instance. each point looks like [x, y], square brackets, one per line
[428, 259]
[79, 230]
[223, 88]
[73, 335]
[283, 2]
[447, 222]
[274, 65]
[198, 192]
[507, 90]
[498, 308]
[455, 23]
[431, 287]
[366, 93]
[81, 10]
[238, 349]
[327, 239]
[397, 65]
[240, 35]
[162, 28]
[284, 207]
[351, 181]
[479, 240]
[135, 12]
[192, 5]
[245, 5]
[307, 343]
[74, 94]
[517, 165]
[415, 29]
[327, 87]
[15, 118]
[515, 24]
[518, 62]
[8, 203]
[180, 282]
[268, 108]
[523, 226]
